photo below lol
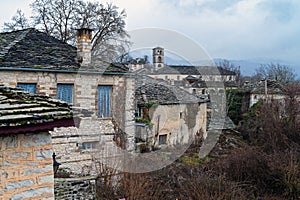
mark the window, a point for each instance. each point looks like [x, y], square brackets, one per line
[104, 98]
[28, 87]
[159, 59]
[162, 139]
[138, 112]
[89, 145]
[65, 92]
[180, 115]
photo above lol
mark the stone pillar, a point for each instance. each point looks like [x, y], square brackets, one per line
[129, 113]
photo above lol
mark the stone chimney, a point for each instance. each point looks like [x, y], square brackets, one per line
[84, 46]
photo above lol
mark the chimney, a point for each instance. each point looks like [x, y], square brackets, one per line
[84, 46]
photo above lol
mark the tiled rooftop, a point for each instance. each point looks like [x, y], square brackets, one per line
[273, 87]
[34, 49]
[30, 48]
[19, 109]
[151, 90]
[193, 70]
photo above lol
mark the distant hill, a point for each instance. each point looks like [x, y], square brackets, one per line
[248, 66]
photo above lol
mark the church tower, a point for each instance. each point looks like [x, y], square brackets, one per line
[158, 58]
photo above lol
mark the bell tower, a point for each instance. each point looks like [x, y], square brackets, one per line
[158, 58]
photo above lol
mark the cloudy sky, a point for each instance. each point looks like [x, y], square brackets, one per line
[231, 29]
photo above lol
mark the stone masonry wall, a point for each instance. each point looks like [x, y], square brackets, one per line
[175, 121]
[68, 144]
[75, 188]
[26, 167]
[85, 94]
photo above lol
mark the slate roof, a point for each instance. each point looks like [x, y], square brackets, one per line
[22, 112]
[30, 48]
[193, 70]
[191, 78]
[273, 87]
[151, 90]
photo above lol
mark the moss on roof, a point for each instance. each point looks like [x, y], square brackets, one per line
[21, 108]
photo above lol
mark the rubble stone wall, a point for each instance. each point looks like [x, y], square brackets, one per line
[75, 188]
[79, 149]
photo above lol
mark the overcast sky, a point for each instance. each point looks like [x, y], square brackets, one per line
[231, 29]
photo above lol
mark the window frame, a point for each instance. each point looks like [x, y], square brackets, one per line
[165, 139]
[107, 111]
[89, 145]
[22, 84]
[72, 92]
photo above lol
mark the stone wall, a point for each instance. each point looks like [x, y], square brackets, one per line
[180, 122]
[75, 188]
[68, 142]
[26, 167]
[70, 146]
[85, 87]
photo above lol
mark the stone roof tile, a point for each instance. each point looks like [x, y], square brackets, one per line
[30, 48]
[193, 70]
[19, 109]
[151, 90]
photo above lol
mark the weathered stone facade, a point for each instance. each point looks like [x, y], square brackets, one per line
[67, 141]
[179, 122]
[26, 167]
[79, 149]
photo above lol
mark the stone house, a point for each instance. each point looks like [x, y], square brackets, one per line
[268, 90]
[41, 64]
[170, 116]
[199, 80]
[26, 164]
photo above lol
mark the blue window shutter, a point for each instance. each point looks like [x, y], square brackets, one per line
[104, 92]
[28, 87]
[65, 92]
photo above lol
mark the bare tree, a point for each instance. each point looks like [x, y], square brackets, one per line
[278, 72]
[18, 22]
[61, 18]
[227, 65]
[56, 17]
